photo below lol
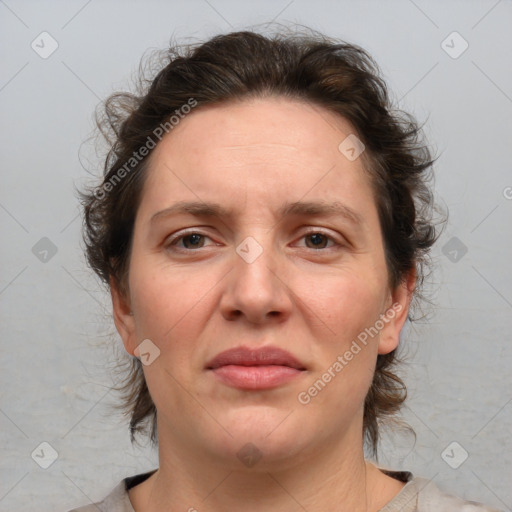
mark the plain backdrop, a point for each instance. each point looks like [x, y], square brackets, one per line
[56, 343]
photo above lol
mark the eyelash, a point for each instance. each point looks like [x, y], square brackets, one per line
[172, 243]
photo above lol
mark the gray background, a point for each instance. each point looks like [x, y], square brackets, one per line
[56, 351]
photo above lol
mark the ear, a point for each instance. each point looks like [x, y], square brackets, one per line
[123, 317]
[396, 313]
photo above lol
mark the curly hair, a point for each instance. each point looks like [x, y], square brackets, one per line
[333, 74]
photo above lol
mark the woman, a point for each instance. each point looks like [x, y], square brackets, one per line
[263, 225]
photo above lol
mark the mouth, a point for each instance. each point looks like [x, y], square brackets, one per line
[263, 368]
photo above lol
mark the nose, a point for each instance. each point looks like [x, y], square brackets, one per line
[256, 290]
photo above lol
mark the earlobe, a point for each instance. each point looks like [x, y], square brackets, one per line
[396, 315]
[123, 317]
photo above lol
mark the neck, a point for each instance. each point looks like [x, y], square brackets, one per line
[333, 477]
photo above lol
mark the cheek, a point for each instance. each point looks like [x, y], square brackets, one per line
[166, 301]
[345, 360]
[172, 321]
[350, 304]
[347, 301]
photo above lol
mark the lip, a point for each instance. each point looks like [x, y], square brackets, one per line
[262, 368]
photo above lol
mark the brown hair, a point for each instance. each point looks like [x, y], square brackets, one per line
[340, 77]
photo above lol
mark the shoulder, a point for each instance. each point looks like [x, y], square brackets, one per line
[116, 501]
[430, 498]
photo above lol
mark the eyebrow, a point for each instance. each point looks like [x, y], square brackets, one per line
[298, 208]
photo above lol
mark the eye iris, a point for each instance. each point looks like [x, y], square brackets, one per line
[194, 238]
[317, 239]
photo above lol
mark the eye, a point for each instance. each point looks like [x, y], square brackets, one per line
[318, 240]
[188, 241]
[193, 240]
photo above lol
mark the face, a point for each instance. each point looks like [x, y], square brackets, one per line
[280, 262]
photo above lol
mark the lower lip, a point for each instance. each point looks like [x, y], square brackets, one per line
[255, 377]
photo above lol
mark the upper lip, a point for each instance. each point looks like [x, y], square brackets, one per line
[244, 356]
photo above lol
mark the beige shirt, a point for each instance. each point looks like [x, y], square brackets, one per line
[418, 495]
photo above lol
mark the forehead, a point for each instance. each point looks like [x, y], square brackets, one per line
[280, 124]
[266, 146]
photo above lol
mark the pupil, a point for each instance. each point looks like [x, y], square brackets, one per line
[194, 239]
[317, 238]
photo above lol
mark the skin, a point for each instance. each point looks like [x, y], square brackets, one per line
[252, 157]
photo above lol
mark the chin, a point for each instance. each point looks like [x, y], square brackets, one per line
[264, 440]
